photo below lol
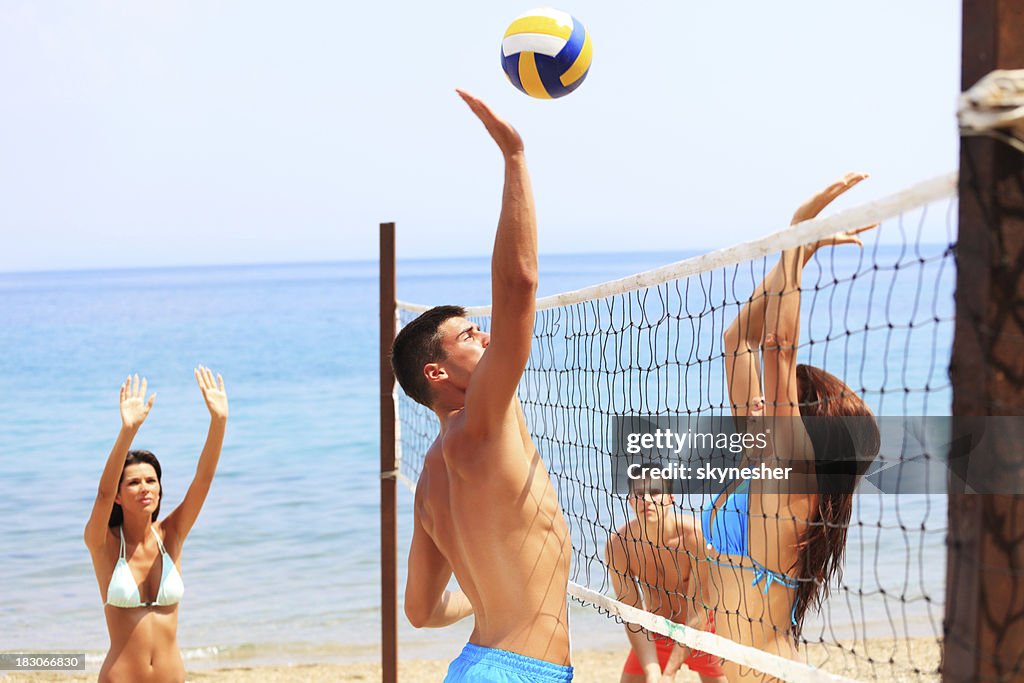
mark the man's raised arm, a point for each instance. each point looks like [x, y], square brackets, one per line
[513, 284]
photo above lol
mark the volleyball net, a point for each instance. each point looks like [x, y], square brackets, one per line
[649, 348]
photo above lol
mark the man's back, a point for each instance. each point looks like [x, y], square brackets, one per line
[492, 511]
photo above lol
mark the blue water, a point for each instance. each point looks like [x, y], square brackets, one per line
[283, 562]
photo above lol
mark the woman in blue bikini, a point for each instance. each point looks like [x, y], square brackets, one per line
[772, 548]
[137, 558]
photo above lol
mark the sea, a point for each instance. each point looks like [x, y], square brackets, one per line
[283, 563]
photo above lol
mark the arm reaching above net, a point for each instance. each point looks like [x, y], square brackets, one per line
[745, 335]
[493, 385]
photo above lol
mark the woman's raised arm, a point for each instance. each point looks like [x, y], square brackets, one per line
[180, 522]
[134, 409]
[745, 336]
[781, 340]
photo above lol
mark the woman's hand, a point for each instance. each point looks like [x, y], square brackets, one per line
[134, 406]
[813, 206]
[848, 237]
[213, 393]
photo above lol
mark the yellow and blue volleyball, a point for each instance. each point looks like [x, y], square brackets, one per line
[546, 53]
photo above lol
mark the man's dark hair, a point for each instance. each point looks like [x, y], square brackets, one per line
[417, 344]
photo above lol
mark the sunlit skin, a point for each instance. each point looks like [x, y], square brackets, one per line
[143, 640]
[464, 344]
[650, 568]
[139, 492]
[760, 356]
[486, 510]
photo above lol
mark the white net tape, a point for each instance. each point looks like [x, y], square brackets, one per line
[626, 325]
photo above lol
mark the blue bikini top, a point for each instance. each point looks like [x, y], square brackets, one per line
[728, 533]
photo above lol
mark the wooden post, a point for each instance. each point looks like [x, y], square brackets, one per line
[984, 625]
[388, 480]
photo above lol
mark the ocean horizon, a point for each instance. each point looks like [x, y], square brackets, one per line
[282, 565]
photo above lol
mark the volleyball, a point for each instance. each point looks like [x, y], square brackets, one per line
[546, 53]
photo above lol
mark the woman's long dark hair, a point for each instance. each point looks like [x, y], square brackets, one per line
[846, 439]
[134, 458]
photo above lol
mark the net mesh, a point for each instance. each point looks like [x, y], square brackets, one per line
[879, 317]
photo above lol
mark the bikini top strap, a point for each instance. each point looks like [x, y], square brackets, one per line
[159, 543]
[121, 529]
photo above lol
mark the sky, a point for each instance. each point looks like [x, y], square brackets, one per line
[194, 132]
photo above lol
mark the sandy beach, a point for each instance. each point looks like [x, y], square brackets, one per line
[591, 666]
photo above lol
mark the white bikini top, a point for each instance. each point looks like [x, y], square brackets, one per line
[124, 592]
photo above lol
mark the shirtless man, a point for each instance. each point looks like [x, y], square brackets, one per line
[651, 569]
[485, 507]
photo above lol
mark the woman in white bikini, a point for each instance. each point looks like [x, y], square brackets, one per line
[137, 558]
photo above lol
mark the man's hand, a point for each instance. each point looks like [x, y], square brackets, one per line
[503, 133]
[134, 406]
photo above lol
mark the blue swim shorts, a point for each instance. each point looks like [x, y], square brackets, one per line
[486, 665]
